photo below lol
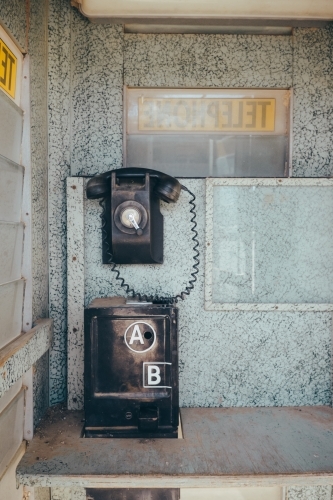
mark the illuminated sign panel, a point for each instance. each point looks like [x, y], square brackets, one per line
[8, 69]
[11, 62]
[208, 132]
[207, 115]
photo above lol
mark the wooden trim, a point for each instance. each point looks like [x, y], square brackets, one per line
[15, 345]
[155, 481]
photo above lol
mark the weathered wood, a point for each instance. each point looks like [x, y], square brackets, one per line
[221, 447]
[19, 355]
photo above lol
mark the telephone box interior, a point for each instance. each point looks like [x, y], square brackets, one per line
[222, 238]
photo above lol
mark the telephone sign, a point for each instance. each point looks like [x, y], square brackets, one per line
[8, 64]
[207, 115]
[10, 67]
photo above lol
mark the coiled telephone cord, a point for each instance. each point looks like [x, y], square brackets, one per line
[156, 299]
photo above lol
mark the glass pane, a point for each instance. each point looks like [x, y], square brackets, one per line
[11, 183]
[208, 132]
[272, 244]
[10, 129]
[205, 155]
[11, 303]
[11, 243]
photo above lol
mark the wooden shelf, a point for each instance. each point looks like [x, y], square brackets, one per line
[21, 353]
[221, 447]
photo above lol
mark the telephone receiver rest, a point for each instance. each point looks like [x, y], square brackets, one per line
[166, 187]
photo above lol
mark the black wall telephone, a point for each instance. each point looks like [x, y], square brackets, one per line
[131, 350]
[132, 221]
[135, 225]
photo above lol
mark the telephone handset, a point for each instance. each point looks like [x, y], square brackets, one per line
[166, 187]
[132, 221]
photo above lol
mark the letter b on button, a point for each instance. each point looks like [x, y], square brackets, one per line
[154, 377]
[157, 374]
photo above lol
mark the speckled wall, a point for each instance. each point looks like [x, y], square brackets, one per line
[225, 61]
[13, 17]
[37, 49]
[250, 359]
[59, 169]
[27, 23]
[279, 351]
[226, 358]
[39, 155]
[310, 493]
[96, 96]
[313, 102]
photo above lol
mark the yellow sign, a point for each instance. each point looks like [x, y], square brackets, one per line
[8, 69]
[207, 115]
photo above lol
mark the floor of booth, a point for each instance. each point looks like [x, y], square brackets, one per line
[221, 447]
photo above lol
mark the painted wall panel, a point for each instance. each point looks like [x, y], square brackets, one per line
[59, 169]
[287, 369]
[97, 92]
[310, 493]
[226, 61]
[68, 493]
[76, 287]
[226, 358]
[14, 17]
[313, 102]
[39, 155]
[165, 60]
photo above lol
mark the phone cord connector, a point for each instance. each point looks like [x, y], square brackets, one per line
[155, 298]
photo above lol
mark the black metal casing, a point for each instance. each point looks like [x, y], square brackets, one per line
[131, 369]
[127, 247]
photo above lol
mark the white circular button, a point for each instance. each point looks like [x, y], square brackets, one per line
[125, 216]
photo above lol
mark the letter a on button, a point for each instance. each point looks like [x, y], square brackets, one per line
[136, 335]
[153, 375]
